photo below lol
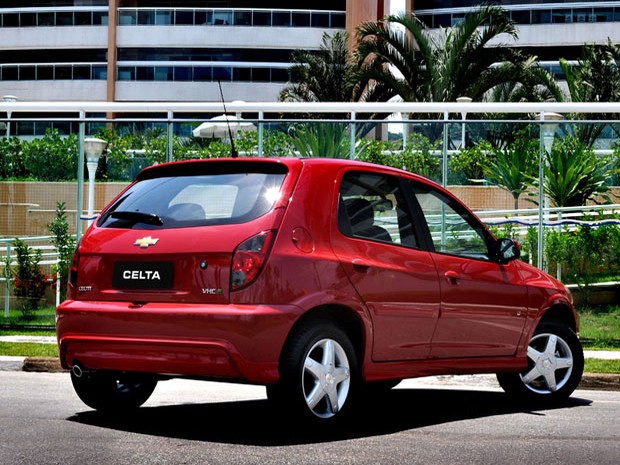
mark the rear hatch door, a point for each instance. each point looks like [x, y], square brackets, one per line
[171, 235]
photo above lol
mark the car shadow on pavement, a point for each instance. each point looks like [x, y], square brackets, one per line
[254, 422]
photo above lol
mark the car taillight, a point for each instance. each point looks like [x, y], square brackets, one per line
[73, 275]
[249, 258]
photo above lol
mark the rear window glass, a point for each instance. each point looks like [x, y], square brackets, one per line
[185, 201]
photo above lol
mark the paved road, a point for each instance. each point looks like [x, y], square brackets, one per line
[194, 422]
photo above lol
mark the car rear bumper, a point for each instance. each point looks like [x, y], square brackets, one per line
[237, 342]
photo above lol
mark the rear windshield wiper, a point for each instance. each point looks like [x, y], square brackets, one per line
[137, 217]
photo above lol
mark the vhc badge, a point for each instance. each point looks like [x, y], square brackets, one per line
[145, 242]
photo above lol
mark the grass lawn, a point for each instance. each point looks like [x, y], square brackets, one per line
[600, 327]
[45, 316]
[28, 349]
[601, 366]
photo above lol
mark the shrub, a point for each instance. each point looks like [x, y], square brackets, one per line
[52, 157]
[416, 157]
[65, 246]
[586, 254]
[574, 174]
[473, 161]
[11, 162]
[29, 280]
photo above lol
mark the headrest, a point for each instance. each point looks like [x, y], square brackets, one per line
[360, 213]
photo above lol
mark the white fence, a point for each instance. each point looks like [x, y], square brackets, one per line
[49, 257]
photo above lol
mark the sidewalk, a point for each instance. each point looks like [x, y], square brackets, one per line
[51, 364]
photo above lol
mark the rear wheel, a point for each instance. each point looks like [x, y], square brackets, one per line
[113, 392]
[555, 365]
[318, 374]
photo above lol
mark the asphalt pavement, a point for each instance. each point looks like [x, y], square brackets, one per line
[604, 381]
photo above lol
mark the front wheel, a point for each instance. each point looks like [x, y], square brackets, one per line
[113, 392]
[555, 365]
[318, 374]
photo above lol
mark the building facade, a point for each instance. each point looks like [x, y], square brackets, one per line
[164, 50]
[158, 50]
[548, 29]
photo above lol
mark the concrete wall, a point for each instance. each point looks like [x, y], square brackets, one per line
[26, 208]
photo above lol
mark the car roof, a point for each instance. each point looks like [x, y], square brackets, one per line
[189, 167]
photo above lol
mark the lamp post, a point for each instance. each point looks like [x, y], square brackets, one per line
[93, 148]
[8, 99]
[463, 116]
[550, 122]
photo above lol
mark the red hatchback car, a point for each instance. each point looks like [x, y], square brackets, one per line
[317, 278]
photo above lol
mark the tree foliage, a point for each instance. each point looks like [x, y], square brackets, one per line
[423, 65]
[327, 75]
[417, 156]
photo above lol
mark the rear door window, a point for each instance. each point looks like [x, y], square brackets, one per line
[373, 207]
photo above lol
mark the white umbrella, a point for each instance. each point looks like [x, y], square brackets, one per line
[217, 127]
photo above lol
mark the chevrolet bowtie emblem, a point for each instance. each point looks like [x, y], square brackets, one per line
[145, 242]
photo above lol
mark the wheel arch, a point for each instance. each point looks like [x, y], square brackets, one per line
[562, 314]
[344, 317]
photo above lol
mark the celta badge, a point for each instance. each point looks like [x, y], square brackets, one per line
[145, 242]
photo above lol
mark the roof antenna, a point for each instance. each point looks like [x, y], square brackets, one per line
[233, 151]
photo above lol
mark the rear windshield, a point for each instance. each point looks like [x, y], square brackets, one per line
[197, 200]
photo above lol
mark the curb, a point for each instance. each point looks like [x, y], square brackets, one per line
[43, 364]
[600, 381]
[593, 381]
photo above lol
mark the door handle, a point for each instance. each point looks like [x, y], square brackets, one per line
[360, 265]
[452, 277]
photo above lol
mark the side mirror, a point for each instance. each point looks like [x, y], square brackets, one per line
[507, 251]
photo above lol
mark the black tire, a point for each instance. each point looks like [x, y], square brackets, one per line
[555, 365]
[318, 374]
[113, 392]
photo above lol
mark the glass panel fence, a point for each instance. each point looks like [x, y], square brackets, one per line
[467, 154]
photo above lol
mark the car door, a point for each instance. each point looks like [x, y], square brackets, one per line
[377, 246]
[483, 303]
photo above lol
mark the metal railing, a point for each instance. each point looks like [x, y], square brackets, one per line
[530, 14]
[147, 16]
[251, 17]
[354, 114]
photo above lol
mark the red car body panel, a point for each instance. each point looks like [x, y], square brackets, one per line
[231, 341]
[418, 312]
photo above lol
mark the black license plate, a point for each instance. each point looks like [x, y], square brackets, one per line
[143, 275]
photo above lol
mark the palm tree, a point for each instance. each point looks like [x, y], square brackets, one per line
[595, 78]
[514, 166]
[574, 174]
[536, 84]
[422, 65]
[323, 76]
[326, 75]
[331, 140]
